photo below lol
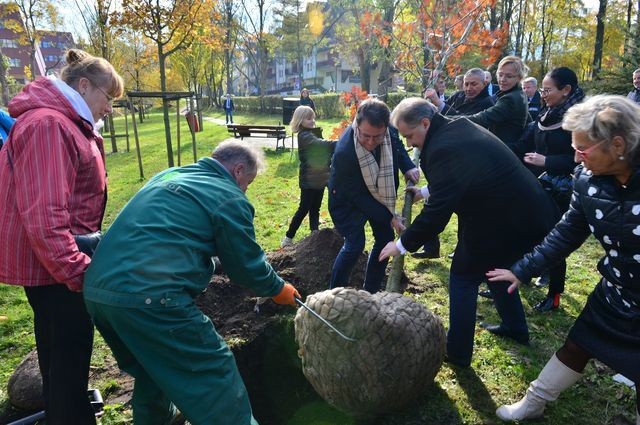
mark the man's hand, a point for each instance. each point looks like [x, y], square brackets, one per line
[390, 250]
[286, 295]
[413, 175]
[432, 95]
[417, 193]
[504, 275]
[397, 222]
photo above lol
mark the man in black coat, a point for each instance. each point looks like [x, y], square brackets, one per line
[368, 147]
[530, 88]
[476, 96]
[473, 174]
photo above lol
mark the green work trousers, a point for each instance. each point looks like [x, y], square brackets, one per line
[177, 358]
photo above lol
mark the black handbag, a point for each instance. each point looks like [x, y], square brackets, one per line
[558, 187]
[88, 243]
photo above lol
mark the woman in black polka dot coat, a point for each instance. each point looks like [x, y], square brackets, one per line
[605, 203]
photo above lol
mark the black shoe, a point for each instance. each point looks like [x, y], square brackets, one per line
[426, 254]
[486, 294]
[501, 331]
[548, 304]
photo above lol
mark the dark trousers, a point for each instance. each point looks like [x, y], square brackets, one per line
[228, 116]
[557, 276]
[310, 201]
[463, 300]
[64, 339]
[351, 250]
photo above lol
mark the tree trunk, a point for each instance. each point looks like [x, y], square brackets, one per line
[165, 104]
[4, 84]
[597, 49]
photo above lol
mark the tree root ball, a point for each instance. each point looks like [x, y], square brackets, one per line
[398, 351]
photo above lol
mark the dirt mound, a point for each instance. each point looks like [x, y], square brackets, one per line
[307, 265]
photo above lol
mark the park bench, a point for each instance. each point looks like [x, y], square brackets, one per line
[278, 132]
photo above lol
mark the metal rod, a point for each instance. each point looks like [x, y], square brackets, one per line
[299, 301]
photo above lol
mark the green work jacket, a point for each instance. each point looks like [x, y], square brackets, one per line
[159, 248]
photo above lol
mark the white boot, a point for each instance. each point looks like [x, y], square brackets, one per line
[553, 379]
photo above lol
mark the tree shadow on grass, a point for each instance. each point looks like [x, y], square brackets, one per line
[433, 407]
[477, 394]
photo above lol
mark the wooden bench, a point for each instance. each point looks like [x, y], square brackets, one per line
[278, 132]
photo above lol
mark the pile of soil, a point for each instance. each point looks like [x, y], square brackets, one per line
[306, 265]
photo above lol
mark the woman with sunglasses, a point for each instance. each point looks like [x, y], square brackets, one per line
[53, 194]
[508, 117]
[546, 150]
[605, 203]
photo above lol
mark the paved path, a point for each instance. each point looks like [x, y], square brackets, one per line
[263, 142]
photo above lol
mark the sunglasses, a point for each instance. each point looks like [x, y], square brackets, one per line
[584, 154]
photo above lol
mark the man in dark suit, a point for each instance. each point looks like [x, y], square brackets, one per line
[473, 174]
[635, 93]
[530, 88]
[362, 188]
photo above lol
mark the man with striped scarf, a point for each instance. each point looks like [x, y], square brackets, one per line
[363, 187]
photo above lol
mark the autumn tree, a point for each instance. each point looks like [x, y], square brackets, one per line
[172, 26]
[36, 15]
[10, 18]
[432, 36]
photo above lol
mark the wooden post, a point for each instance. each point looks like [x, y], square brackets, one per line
[135, 134]
[126, 121]
[112, 133]
[193, 133]
[397, 265]
[178, 127]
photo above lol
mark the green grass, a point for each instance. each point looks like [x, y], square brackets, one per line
[500, 370]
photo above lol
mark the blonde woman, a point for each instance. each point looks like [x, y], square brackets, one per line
[315, 158]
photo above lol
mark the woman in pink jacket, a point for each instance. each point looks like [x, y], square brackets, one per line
[53, 192]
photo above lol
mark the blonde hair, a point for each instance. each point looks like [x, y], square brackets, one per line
[99, 71]
[301, 113]
[517, 63]
[603, 117]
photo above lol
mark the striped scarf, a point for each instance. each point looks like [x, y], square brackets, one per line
[378, 177]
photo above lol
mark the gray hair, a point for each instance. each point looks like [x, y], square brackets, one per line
[637, 71]
[603, 117]
[232, 152]
[530, 80]
[517, 63]
[476, 72]
[411, 111]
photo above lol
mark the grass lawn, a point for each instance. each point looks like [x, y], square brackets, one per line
[500, 371]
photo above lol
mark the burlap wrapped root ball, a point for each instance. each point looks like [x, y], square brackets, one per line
[399, 349]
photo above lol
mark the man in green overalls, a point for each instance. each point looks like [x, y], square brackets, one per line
[151, 265]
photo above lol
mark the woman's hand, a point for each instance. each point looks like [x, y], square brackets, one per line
[534, 158]
[504, 275]
[390, 250]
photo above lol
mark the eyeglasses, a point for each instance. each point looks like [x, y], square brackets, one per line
[366, 137]
[585, 153]
[545, 92]
[109, 98]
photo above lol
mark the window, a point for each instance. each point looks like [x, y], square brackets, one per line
[15, 63]
[51, 58]
[47, 44]
[8, 43]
